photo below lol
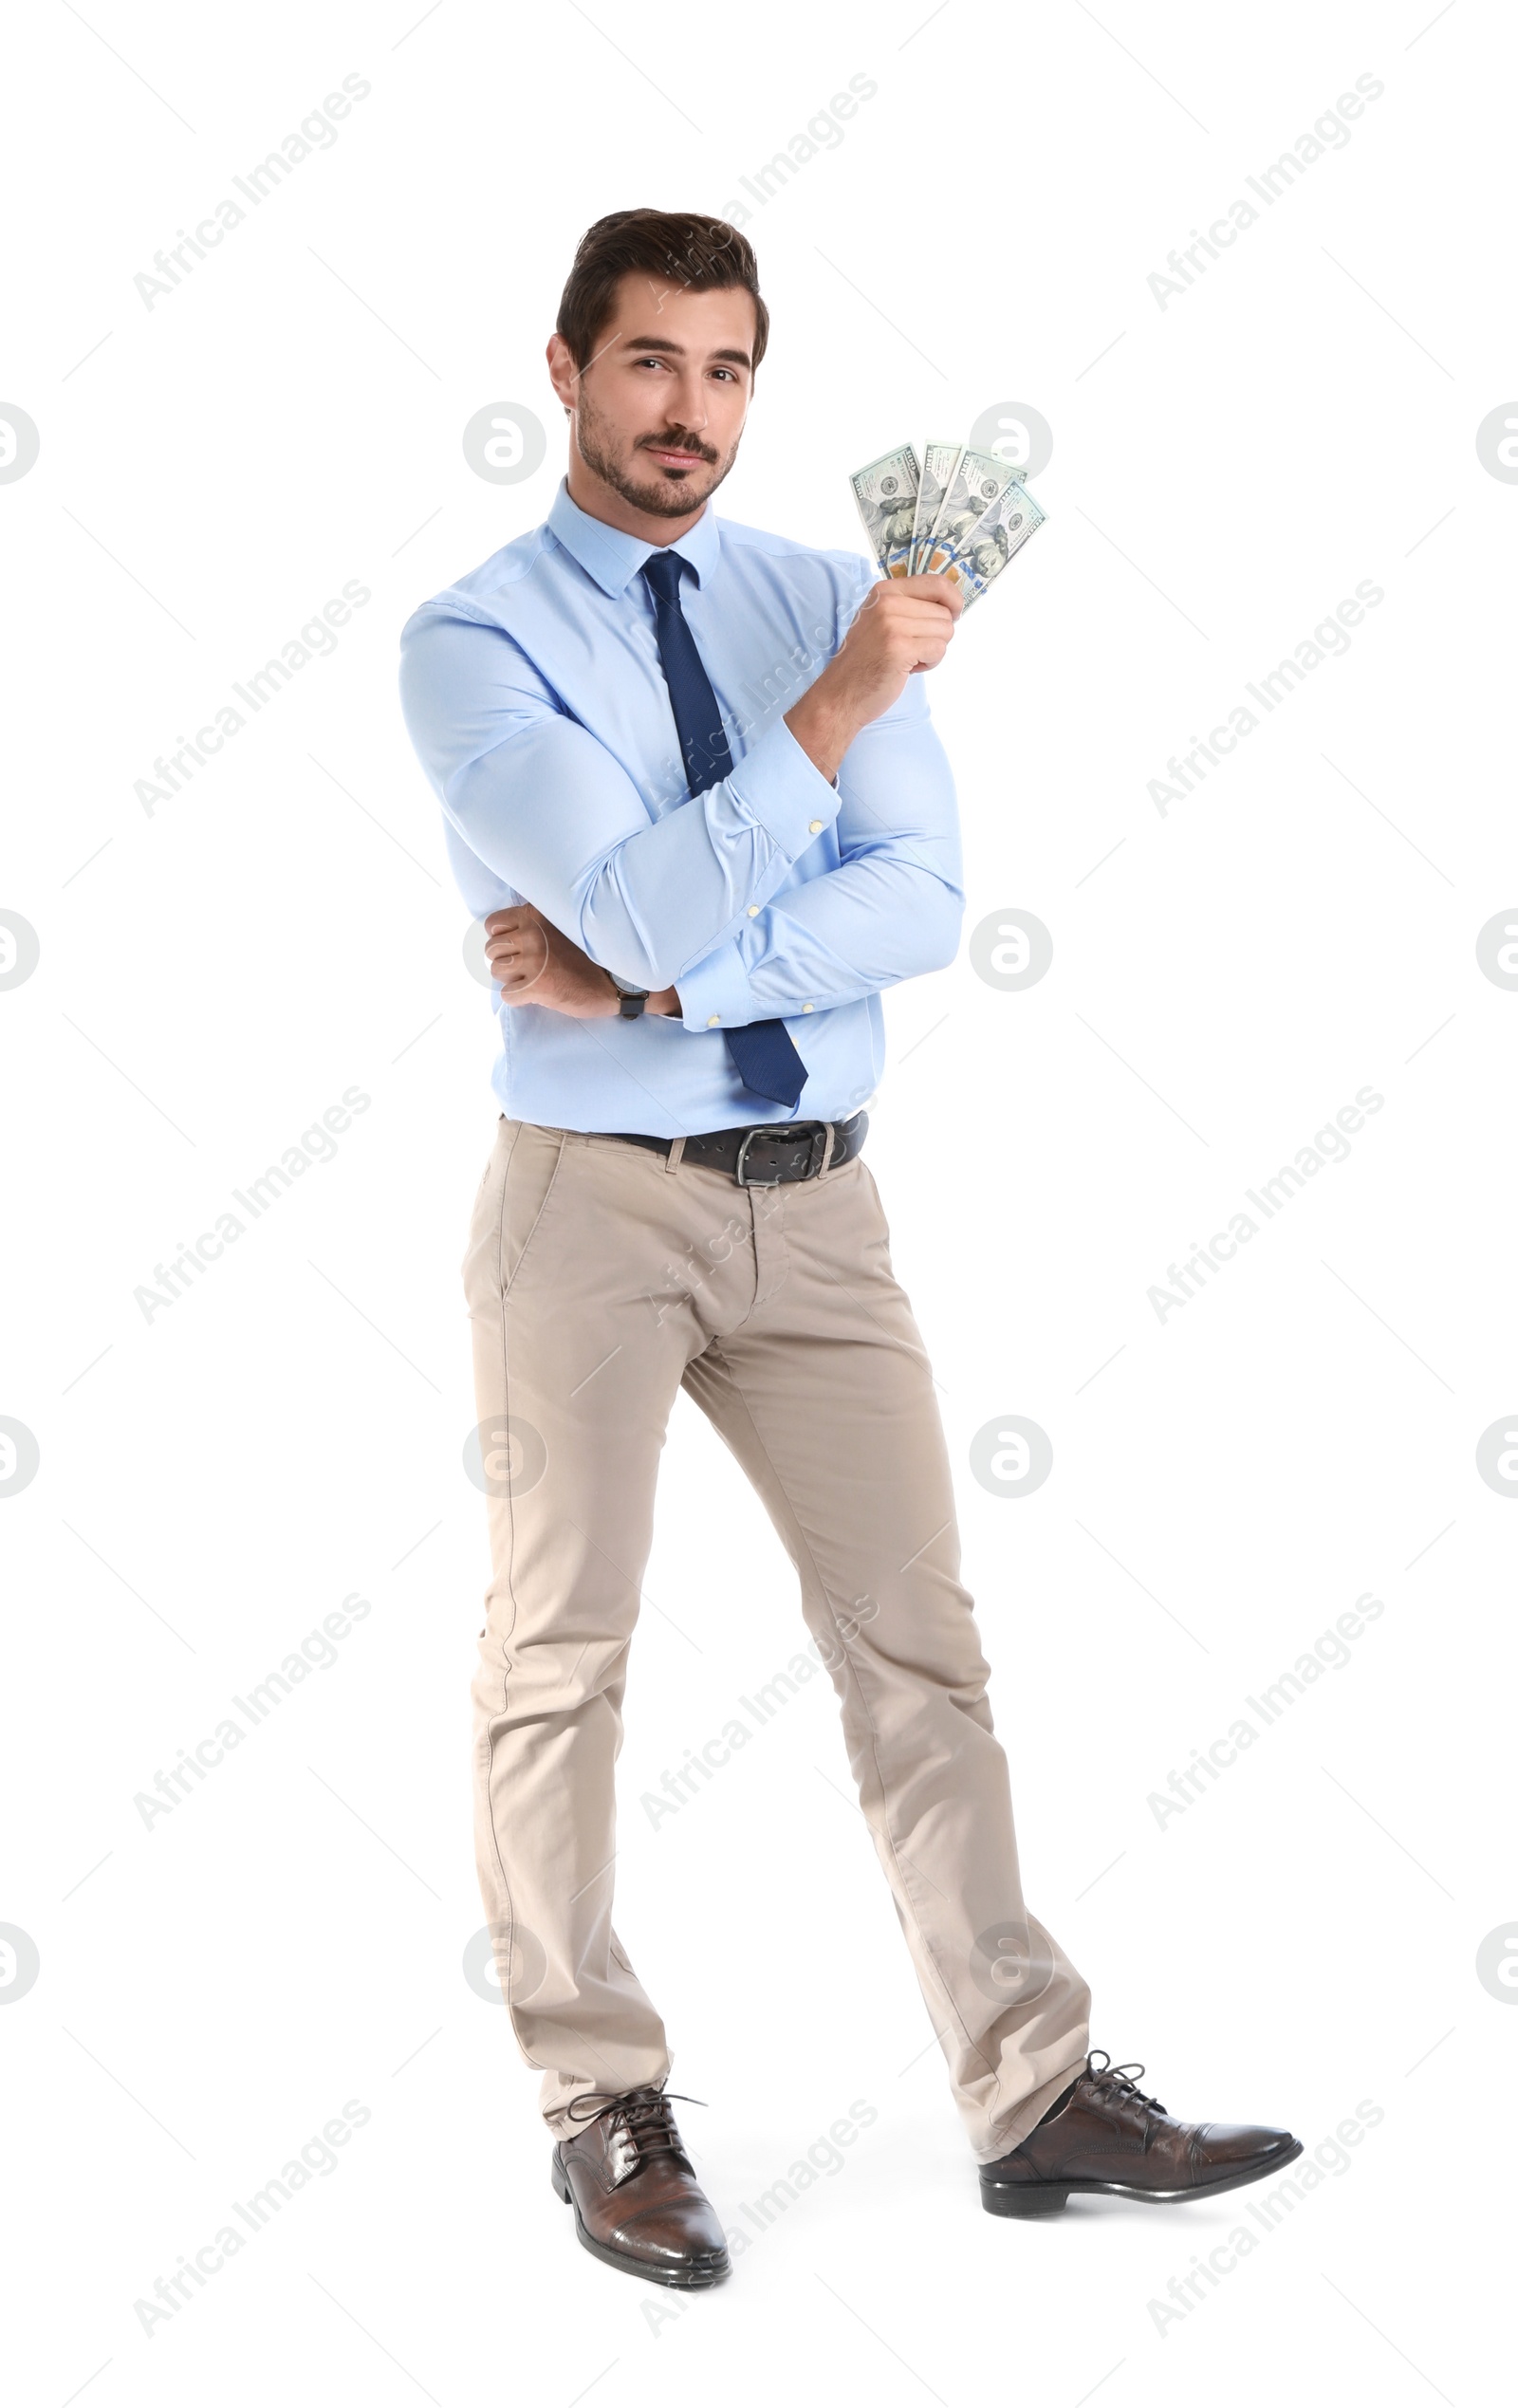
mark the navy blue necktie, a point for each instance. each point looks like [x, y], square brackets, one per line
[762, 1053]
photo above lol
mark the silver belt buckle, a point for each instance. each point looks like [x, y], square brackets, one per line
[817, 1142]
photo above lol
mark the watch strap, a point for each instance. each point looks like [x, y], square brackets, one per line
[633, 998]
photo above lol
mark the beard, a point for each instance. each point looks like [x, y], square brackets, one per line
[647, 486]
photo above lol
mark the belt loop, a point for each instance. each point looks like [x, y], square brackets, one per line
[831, 1126]
[671, 1161]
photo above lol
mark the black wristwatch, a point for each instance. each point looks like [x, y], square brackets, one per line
[633, 998]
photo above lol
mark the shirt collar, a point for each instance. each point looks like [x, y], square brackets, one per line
[613, 559]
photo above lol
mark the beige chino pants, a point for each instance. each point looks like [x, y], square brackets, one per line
[602, 1277]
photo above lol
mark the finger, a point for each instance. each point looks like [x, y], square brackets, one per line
[525, 949]
[531, 960]
[519, 973]
[928, 610]
[917, 592]
[937, 588]
[514, 916]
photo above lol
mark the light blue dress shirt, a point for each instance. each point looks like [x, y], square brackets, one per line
[533, 694]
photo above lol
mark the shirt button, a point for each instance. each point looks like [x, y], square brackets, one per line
[713, 1020]
[816, 826]
[753, 910]
[808, 1007]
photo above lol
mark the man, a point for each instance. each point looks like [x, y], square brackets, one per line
[690, 783]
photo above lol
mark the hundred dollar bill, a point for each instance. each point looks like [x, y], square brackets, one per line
[1000, 531]
[886, 496]
[980, 480]
[939, 460]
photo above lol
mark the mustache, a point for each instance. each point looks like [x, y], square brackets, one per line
[676, 439]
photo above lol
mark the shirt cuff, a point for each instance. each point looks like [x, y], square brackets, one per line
[781, 788]
[716, 994]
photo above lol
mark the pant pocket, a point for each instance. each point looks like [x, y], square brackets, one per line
[484, 1209]
[532, 1176]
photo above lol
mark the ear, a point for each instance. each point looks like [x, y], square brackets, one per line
[563, 373]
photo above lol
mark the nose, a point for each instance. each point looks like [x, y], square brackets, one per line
[689, 398]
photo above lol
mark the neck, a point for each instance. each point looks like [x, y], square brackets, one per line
[592, 495]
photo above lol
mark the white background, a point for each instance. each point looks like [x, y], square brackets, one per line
[1226, 976]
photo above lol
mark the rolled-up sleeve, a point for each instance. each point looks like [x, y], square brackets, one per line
[546, 806]
[891, 908]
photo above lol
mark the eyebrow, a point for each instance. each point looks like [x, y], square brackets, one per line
[677, 350]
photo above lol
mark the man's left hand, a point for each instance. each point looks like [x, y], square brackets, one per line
[534, 962]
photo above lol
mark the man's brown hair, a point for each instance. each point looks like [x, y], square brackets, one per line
[700, 254]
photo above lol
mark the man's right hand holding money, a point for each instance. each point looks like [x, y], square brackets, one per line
[903, 623]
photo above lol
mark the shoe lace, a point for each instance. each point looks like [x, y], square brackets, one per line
[1120, 2081]
[645, 2112]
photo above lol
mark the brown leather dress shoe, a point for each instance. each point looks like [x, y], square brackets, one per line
[1110, 2136]
[637, 2201]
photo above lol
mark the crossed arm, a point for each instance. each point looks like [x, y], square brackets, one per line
[692, 906]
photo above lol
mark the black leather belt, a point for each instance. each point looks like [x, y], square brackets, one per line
[770, 1154]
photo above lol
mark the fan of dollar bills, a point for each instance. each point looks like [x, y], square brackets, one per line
[962, 513]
